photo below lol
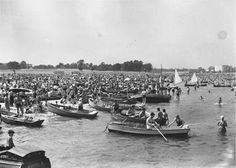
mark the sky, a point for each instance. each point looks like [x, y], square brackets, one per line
[171, 33]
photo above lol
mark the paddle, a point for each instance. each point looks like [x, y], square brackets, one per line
[124, 119]
[161, 134]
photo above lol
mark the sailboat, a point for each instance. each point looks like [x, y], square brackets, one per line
[177, 78]
[193, 81]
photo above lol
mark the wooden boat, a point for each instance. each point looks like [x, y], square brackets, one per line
[126, 128]
[24, 157]
[12, 119]
[100, 106]
[222, 85]
[121, 117]
[119, 100]
[190, 85]
[154, 98]
[17, 90]
[68, 111]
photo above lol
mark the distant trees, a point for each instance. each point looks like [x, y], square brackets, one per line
[23, 65]
[13, 65]
[80, 64]
[135, 65]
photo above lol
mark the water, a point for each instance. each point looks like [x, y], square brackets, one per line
[76, 143]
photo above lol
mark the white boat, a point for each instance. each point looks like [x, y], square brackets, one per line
[126, 128]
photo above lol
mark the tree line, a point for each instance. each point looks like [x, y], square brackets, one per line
[133, 65]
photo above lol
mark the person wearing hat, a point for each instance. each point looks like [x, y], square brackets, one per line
[222, 125]
[150, 122]
[80, 104]
[10, 144]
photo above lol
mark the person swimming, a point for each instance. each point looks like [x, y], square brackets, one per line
[220, 101]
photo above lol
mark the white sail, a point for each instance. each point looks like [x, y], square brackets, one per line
[177, 78]
[193, 79]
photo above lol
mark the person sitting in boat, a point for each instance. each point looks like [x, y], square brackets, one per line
[142, 114]
[222, 124]
[150, 122]
[19, 104]
[80, 104]
[159, 116]
[179, 122]
[63, 100]
[131, 111]
[165, 119]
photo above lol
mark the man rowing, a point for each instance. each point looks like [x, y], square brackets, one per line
[150, 122]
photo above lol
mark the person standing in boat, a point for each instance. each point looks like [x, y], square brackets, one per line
[222, 125]
[150, 122]
[144, 95]
[179, 122]
[80, 104]
[165, 118]
[6, 102]
[19, 104]
[159, 118]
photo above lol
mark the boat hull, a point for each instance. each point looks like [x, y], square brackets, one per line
[124, 128]
[99, 107]
[69, 113]
[154, 98]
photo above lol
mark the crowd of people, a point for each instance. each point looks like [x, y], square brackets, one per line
[75, 88]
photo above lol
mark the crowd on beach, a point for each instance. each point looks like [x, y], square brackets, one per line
[78, 87]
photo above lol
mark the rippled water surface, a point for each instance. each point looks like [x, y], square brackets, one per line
[76, 143]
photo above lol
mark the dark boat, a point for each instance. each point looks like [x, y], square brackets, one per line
[190, 85]
[129, 129]
[154, 98]
[68, 111]
[221, 85]
[24, 157]
[119, 100]
[13, 120]
[17, 90]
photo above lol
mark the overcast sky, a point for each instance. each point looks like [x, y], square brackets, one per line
[174, 33]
